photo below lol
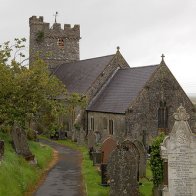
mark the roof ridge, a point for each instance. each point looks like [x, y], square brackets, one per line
[88, 59]
[145, 66]
[58, 66]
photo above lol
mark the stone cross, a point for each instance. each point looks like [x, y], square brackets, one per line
[178, 151]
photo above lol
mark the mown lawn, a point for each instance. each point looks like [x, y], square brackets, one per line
[16, 175]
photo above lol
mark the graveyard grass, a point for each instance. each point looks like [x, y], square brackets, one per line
[92, 178]
[147, 184]
[16, 175]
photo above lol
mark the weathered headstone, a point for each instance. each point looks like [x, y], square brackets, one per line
[142, 158]
[20, 143]
[81, 137]
[97, 158]
[179, 150]
[1, 149]
[91, 140]
[123, 170]
[107, 147]
[104, 176]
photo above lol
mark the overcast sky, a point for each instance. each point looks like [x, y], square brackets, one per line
[144, 29]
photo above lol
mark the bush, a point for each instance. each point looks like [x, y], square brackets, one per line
[156, 163]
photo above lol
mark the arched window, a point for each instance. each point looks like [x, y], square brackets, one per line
[163, 115]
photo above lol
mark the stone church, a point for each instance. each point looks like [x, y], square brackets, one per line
[123, 101]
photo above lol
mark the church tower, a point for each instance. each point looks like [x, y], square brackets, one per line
[53, 44]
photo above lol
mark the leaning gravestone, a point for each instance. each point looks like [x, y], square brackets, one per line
[179, 150]
[142, 158]
[123, 170]
[107, 147]
[20, 143]
[1, 149]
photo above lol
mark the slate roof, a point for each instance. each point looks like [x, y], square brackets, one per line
[122, 89]
[78, 76]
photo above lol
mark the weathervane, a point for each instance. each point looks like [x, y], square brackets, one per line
[55, 15]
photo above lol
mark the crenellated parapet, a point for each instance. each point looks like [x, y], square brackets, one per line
[55, 29]
[61, 43]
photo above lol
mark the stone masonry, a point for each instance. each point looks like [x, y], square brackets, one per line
[54, 45]
[178, 150]
[161, 86]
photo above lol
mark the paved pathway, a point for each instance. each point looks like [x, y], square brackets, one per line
[65, 177]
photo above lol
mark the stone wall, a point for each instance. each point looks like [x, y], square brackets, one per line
[43, 39]
[142, 115]
[100, 121]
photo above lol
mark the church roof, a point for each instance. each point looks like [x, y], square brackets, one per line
[122, 89]
[78, 76]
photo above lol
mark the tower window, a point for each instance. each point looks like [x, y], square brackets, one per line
[60, 43]
[163, 115]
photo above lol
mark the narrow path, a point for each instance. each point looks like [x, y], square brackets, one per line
[65, 178]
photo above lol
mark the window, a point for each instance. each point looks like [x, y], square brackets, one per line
[163, 115]
[60, 43]
[111, 127]
[105, 123]
[92, 124]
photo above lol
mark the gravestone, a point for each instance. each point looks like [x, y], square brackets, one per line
[104, 176]
[142, 158]
[91, 140]
[20, 143]
[123, 170]
[81, 137]
[107, 147]
[91, 143]
[1, 149]
[97, 158]
[179, 153]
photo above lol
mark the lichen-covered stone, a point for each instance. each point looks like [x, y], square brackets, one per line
[122, 170]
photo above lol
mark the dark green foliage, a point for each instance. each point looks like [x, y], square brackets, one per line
[39, 36]
[156, 163]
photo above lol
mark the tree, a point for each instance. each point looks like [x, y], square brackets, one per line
[25, 93]
[33, 94]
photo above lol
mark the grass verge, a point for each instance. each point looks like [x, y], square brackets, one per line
[92, 178]
[16, 175]
[147, 184]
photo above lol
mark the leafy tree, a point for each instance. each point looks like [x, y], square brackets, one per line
[32, 94]
[26, 93]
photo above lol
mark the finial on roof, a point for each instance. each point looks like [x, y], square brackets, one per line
[162, 56]
[55, 15]
[118, 48]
